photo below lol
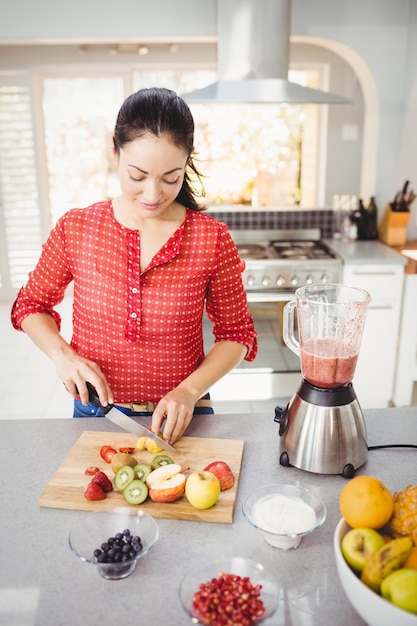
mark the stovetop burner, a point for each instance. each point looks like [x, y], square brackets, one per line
[288, 250]
[301, 250]
[254, 251]
[278, 262]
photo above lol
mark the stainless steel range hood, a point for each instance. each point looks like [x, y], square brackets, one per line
[253, 56]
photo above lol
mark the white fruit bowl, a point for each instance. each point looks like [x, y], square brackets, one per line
[286, 503]
[373, 608]
[96, 528]
[257, 573]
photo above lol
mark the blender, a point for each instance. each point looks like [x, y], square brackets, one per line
[322, 429]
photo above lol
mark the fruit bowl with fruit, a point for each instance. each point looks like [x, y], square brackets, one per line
[376, 551]
[284, 513]
[212, 592]
[374, 609]
[114, 541]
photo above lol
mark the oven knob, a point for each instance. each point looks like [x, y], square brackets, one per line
[266, 281]
[280, 281]
[294, 281]
[309, 280]
[324, 279]
[250, 281]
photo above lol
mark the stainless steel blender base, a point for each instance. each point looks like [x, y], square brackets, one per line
[323, 431]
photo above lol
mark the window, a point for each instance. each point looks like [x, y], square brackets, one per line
[79, 115]
[56, 151]
[20, 220]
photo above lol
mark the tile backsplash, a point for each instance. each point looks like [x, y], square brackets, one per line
[277, 220]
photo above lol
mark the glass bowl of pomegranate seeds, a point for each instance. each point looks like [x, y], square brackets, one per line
[114, 541]
[229, 591]
[284, 513]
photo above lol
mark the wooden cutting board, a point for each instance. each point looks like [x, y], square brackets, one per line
[66, 488]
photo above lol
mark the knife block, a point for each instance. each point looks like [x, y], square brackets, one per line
[393, 227]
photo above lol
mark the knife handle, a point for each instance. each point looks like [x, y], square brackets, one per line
[93, 397]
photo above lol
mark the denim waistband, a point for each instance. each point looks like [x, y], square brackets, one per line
[92, 410]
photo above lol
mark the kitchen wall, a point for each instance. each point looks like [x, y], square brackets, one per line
[380, 36]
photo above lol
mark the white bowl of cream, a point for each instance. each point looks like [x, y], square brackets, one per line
[284, 513]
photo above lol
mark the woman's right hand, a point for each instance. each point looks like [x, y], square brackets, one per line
[75, 371]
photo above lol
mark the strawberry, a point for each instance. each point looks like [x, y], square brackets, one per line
[101, 479]
[107, 453]
[94, 492]
[127, 450]
[91, 470]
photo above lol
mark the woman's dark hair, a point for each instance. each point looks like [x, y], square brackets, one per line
[161, 111]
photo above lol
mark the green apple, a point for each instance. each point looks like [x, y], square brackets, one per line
[400, 588]
[359, 544]
[202, 489]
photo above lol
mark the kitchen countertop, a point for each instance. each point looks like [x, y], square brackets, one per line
[360, 252]
[409, 251]
[43, 584]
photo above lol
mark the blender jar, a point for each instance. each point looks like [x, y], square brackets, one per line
[330, 321]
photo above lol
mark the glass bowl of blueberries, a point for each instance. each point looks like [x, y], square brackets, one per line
[113, 541]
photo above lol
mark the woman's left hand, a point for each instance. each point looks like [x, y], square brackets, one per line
[176, 408]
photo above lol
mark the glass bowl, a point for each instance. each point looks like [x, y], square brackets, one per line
[373, 608]
[239, 566]
[96, 528]
[284, 514]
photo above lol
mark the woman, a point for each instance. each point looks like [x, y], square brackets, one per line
[143, 266]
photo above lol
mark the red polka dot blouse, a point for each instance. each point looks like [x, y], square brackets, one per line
[144, 329]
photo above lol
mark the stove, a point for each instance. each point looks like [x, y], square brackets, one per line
[280, 261]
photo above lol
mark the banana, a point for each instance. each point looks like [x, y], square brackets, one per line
[390, 557]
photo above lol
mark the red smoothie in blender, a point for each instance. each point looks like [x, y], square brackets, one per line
[326, 371]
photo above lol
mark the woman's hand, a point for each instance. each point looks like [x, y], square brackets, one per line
[74, 370]
[176, 408]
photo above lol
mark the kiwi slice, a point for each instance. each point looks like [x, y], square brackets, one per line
[142, 471]
[124, 477]
[159, 460]
[136, 492]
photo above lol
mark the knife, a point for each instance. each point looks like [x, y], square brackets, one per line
[124, 421]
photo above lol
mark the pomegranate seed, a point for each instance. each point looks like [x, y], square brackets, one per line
[228, 600]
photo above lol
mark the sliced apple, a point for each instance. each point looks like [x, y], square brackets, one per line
[166, 483]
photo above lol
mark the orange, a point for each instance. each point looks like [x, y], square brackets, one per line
[366, 502]
[412, 558]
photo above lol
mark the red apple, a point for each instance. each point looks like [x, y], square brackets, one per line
[166, 484]
[223, 473]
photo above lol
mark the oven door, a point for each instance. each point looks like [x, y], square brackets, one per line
[275, 372]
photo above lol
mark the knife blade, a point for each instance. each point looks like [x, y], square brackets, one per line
[125, 422]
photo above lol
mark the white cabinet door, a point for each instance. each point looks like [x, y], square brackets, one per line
[375, 371]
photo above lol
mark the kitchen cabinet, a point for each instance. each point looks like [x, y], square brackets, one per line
[375, 371]
[406, 374]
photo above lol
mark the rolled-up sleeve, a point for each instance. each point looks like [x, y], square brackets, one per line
[227, 305]
[48, 281]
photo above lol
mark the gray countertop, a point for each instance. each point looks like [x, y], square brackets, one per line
[359, 252]
[43, 584]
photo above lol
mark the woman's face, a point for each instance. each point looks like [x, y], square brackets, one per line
[151, 172]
